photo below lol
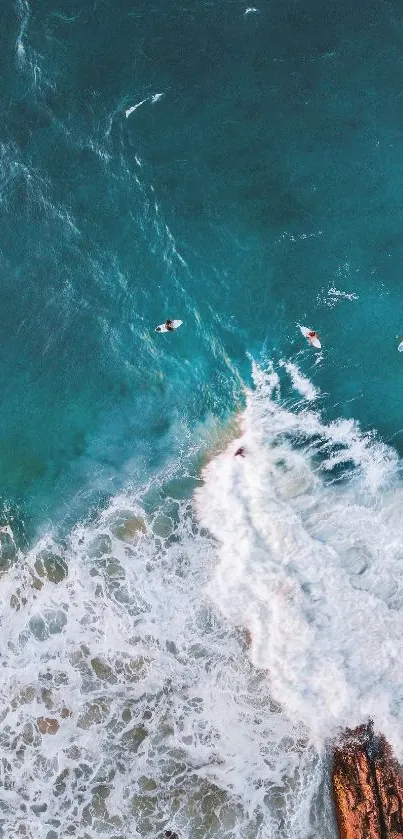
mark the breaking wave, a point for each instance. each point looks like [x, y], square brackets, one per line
[309, 551]
[158, 678]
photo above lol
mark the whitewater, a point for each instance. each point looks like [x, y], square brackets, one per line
[202, 649]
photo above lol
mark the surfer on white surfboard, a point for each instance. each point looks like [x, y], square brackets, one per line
[169, 326]
[311, 336]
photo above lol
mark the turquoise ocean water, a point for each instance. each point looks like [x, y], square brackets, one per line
[256, 184]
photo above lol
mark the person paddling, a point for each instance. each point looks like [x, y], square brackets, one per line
[169, 326]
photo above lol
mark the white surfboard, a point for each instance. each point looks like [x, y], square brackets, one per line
[175, 325]
[314, 341]
[400, 347]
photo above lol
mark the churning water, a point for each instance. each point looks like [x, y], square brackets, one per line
[185, 632]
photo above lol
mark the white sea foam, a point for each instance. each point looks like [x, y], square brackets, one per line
[312, 567]
[342, 295]
[290, 237]
[133, 108]
[162, 721]
[23, 8]
[333, 296]
[300, 382]
[154, 98]
[138, 652]
[29, 61]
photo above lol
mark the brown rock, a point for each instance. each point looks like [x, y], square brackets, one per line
[47, 725]
[367, 787]
[131, 528]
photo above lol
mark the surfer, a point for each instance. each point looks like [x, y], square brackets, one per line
[312, 335]
[240, 451]
[169, 326]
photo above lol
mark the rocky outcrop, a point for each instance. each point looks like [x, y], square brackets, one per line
[47, 725]
[367, 787]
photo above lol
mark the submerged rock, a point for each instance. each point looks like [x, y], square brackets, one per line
[134, 737]
[367, 787]
[8, 550]
[47, 725]
[129, 529]
[102, 669]
[52, 566]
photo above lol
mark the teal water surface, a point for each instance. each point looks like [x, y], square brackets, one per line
[254, 185]
[268, 173]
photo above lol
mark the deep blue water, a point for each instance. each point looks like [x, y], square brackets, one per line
[268, 173]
